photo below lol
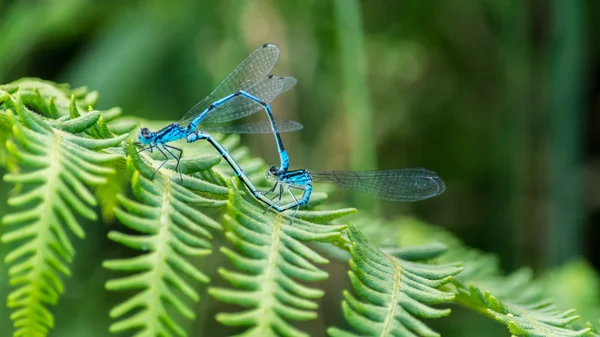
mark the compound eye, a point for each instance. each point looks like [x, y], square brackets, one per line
[145, 132]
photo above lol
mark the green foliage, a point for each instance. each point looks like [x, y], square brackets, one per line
[584, 288]
[522, 307]
[69, 167]
[272, 258]
[393, 293]
[161, 215]
[54, 178]
[514, 300]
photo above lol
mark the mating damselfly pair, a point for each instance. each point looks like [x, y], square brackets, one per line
[250, 88]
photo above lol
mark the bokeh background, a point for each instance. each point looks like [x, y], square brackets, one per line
[500, 97]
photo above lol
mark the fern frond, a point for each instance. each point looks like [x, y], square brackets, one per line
[60, 103]
[55, 169]
[584, 289]
[517, 303]
[66, 110]
[6, 160]
[514, 300]
[170, 231]
[392, 294]
[51, 99]
[272, 259]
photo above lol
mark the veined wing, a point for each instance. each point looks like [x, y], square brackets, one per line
[238, 107]
[397, 185]
[258, 127]
[251, 70]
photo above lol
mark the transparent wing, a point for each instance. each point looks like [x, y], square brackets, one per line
[258, 127]
[397, 185]
[251, 70]
[266, 89]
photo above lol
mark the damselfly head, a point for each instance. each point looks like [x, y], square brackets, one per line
[145, 136]
[272, 172]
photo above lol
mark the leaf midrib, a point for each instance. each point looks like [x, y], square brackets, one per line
[269, 291]
[162, 239]
[391, 316]
[41, 240]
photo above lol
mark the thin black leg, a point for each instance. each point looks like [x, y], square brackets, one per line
[178, 158]
[149, 149]
[280, 193]
[272, 189]
[278, 200]
[275, 196]
[161, 165]
[297, 207]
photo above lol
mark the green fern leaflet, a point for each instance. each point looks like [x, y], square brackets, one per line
[162, 217]
[271, 258]
[392, 293]
[55, 181]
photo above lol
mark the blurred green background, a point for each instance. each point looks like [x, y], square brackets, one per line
[500, 97]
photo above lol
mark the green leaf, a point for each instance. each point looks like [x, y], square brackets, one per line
[521, 306]
[32, 89]
[170, 231]
[56, 169]
[392, 294]
[584, 288]
[271, 259]
[514, 300]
